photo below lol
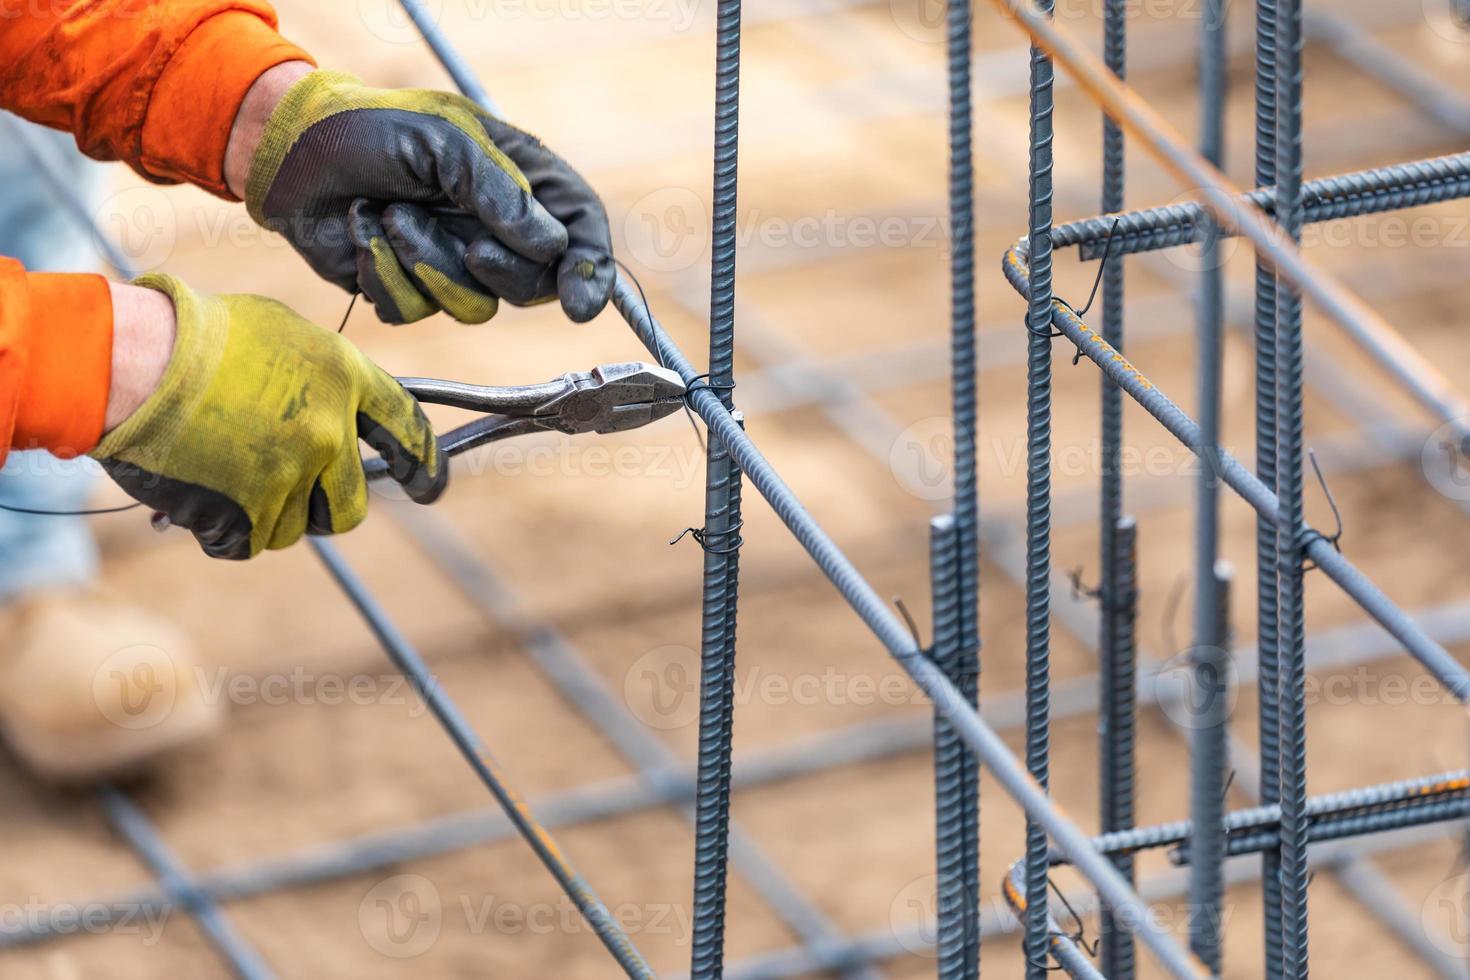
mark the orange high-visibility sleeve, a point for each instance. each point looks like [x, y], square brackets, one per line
[55, 359]
[154, 83]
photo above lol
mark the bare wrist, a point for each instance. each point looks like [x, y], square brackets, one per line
[250, 120]
[143, 326]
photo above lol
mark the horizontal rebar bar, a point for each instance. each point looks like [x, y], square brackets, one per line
[1366, 799]
[1224, 202]
[1350, 195]
[851, 745]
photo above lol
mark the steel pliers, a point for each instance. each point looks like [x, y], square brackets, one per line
[608, 398]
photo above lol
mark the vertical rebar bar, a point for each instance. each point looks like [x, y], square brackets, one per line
[1038, 494]
[1209, 704]
[1116, 653]
[721, 538]
[1291, 686]
[1267, 646]
[1117, 726]
[950, 755]
[965, 672]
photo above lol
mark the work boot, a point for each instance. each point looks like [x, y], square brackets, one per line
[92, 687]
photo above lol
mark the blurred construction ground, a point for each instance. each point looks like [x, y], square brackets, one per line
[842, 270]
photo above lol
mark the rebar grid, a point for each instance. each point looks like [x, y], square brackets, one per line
[1292, 823]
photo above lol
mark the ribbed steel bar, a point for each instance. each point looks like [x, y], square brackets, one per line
[174, 881]
[567, 669]
[1449, 671]
[1117, 724]
[1360, 802]
[1342, 647]
[1268, 650]
[1038, 496]
[888, 942]
[803, 918]
[1357, 194]
[721, 537]
[659, 766]
[965, 670]
[1414, 372]
[1357, 825]
[1209, 759]
[1116, 653]
[1072, 961]
[408, 661]
[894, 635]
[1291, 585]
[1209, 661]
[958, 907]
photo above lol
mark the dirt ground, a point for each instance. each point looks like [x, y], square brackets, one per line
[843, 269]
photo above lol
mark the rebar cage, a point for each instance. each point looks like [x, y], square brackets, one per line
[964, 737]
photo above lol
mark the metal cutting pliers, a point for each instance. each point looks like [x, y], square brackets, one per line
[608, 398]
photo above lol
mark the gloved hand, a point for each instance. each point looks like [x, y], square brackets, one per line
[251, 437]
[424, 201]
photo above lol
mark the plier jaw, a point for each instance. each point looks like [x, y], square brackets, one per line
[608, 398]
[613, 397]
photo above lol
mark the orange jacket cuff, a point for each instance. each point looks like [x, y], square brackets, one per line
[67, 373]
[193, 106]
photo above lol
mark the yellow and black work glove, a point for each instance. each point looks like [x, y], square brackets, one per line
[424, 201]
[251, 438]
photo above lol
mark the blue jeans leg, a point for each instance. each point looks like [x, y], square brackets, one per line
[35, 551]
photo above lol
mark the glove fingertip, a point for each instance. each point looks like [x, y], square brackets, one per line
[584, 286]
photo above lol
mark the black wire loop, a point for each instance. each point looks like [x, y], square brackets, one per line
[699, 534]
[1311, 534]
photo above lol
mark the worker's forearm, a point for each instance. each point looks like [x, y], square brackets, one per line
[143, 328]
[250, 120]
